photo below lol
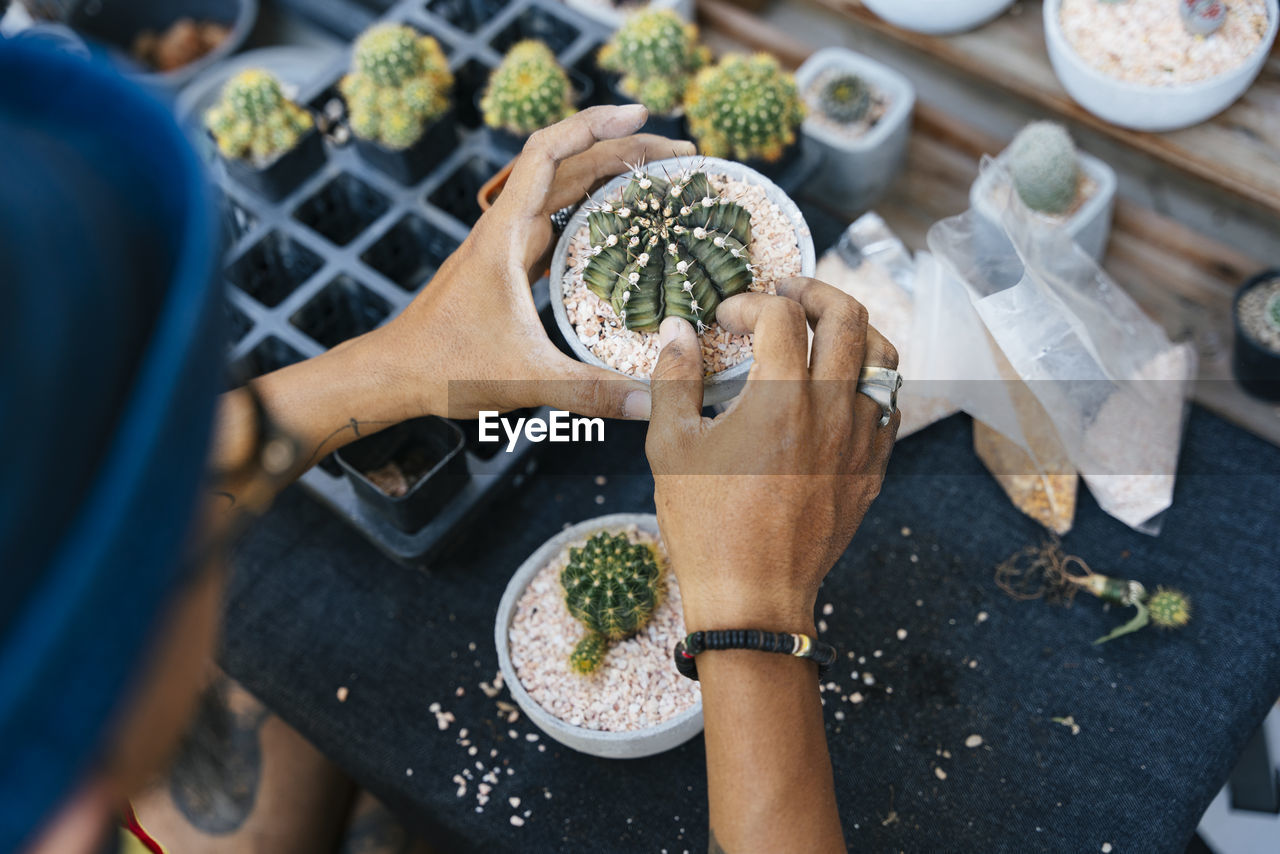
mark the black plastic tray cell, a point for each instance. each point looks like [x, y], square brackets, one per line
[601, 80]
[274, 268]
[410, 252]
[537, 23]
[342, 209]
[271, 354]
[328, 106]
[238, 325]
[469, 80]
[237, 220]
[466, 15]
[329, 464]
[456, 195]
[343, 309]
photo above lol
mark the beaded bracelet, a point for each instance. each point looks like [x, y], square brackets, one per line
[786, 643]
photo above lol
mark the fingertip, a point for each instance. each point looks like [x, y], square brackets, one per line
[633, 116]
[683, 148]
[672, 329]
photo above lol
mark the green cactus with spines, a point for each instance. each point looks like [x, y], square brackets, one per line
[1045, 167]
[744, 107]
[1169, 608]
[398, 85]
[845, 98]
[668, 248]
[527, 91]
[1273, 312]
[612, 586]
[1202, 17]
[254, 120]
[657, 54]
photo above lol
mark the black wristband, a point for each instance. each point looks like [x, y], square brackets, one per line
[784, 643]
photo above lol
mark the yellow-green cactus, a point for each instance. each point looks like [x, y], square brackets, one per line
[527, 91]
[1170, 609]
[657, 54]
[254, 120]
[612, 586]
[745, 107]
[398, 85]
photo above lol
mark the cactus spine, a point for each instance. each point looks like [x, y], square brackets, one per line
[668, 248]
[612, 586]
[1203, 17]
[746, 107]
[254, 119]
[398, 85]
[657, 54]
[1170, 609]
[527, 91]
[845, 98]
[1045, 167]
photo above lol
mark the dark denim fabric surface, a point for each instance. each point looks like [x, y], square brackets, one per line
[1161, 716]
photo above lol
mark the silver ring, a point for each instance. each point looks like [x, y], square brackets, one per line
[881, 385]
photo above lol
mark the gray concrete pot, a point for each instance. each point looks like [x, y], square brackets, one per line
[611, 745]
[612, 17]
[726, 384]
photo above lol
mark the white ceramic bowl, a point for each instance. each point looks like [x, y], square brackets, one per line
[718, 387]
[611, 745]
[938, 17]
[1150, 108]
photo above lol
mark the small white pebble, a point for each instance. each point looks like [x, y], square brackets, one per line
[515, 802]
[888, 689]
[868, 679]
[601, 480]
[902, 634]
[460, 692]
[822, 625]
[828, 609]
[973, 665]
[512, 734]
[472, 646]
[517, 821]
[839, 716]
[974, 740]
[599, 499]
[906, 532]
[877, 654]
[408, 772]
[982, 616]
[542, 748]
[533, 736]
[472, 750]
[462, 733]
[855, 697]
[939, 773]
[484, 788]
[342, 694]
[1106, 848]
[433, 708]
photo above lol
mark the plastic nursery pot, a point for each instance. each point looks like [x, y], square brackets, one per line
[718, 387]
[855, 171]
[512, 143]
[1089, 226]
[285, 173]
[935, 18]
[410, 165]
[424, 455]
[1144, 107]
[611, 745]
[673, 126]
[117, 23]
[1256, 366]
[612, 15]
[791, 170]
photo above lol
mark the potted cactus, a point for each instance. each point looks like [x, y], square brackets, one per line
[585, 633]
[1256, 359]
[528, 91]
[397, 95]
[747, 108]
[656, 55]
[1061, 185]
[673, 238]
[613, 14]
[267, 142]
[938, 18]
[859, 121]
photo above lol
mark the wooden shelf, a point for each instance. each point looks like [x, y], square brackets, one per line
[1182, 278]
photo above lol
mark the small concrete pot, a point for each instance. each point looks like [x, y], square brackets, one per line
[938, 18]
[612, 17]
[610, 745]
[726, 384]
[855, 173]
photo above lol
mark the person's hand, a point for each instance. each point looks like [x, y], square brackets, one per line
[472, 339]
[756, 505]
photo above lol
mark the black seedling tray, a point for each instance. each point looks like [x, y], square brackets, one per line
[351, 246]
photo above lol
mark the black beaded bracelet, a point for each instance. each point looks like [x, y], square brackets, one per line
[786, 643]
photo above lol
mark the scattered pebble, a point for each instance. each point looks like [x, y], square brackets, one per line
[983, 616]
[408, 772]
[342, 694]
[515, 802]
[906, 532]
[517, 821]
[939, 773]
[974, 740]
[822, 625]
[599, 499]
[601, 480]
[828, 609]
[855, 697]
[902, 634]
[839, 715]
[1106, 848]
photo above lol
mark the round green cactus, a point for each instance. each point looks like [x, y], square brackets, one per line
[527, 91]
[668, 248]
[845, 98]
[1273, 312]
[254, 119]
[1045, 167]
[1170, 609]
[398, 85]
[656, 53]
[612, 586]
[745, 107]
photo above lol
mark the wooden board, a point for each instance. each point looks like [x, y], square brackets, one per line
[1182, 278]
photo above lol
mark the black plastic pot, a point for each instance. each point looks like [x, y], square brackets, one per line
[786, 171]
[1257, 368]
[410, 165]
[283, 175]
[429, 448]
[512, 143]
[672, 127]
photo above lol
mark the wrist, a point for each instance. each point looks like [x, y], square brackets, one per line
[782, 613]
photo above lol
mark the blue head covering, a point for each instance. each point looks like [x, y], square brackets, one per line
[110, 344]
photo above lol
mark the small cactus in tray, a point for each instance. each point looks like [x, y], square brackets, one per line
[745, 107]
[254, 120]
[1045, 167]
[845, 98]
[669, 247]
[612, 586]
[1202, 17]
[657, 54]
[527, 91]
[1170, 609]
[398, 85]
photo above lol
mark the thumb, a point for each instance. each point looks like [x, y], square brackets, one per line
[677, 380]
[593, 391]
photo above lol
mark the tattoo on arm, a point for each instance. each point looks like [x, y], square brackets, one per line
[714, 847]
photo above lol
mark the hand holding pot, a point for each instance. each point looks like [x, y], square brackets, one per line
[472, 339]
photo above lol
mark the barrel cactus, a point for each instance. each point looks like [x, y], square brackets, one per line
[398, 85]
[612, 586]
[527, 91]
[1203, 17]
[254, 120]
[668, 248]
[845, 98]
[745, 107]
[656, 53]
[1045, 167]
[1170, 609]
